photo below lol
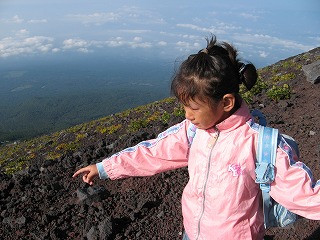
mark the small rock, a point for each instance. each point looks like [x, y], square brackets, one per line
[77, 155]
[138, 234]
[7, 220]
[82, 194]
[105, 228]
[21, 220]
[110, 146]
[160, 215]
[92, 234]
[312, 133]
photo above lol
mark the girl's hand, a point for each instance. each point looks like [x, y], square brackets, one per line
[90, 172]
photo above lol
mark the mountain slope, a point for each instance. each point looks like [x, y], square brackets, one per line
[40, 200]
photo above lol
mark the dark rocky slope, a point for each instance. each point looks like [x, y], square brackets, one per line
[42, 201]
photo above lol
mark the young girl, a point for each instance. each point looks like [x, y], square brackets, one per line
[221, 199]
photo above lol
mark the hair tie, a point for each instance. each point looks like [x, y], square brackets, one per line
[205, 50]
[242, 68]
[241, 71]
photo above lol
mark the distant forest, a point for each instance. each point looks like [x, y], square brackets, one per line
[36, 100]
[41, 115]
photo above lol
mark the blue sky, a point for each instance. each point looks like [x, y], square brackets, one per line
[263, 31]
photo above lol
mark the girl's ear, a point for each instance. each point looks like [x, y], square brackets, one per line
[229, 102]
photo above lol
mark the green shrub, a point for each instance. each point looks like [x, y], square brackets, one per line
[137, 124]
[52, 155]
[15, 166]
[179, 111]
[80, 136]
[256, 89]
[153, 117]
[279, 92]
[283, 77]
[109, 130]
[71, 146]
[165, 117]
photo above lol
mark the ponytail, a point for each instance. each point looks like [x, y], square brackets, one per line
[247, 75]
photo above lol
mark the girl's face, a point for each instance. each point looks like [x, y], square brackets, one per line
[203, 114]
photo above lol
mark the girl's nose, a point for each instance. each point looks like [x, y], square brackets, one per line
[189, 115]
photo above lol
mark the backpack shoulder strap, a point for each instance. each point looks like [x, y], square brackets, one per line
[261, 118]
[266, 157]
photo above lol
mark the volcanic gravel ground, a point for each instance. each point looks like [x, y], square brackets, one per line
[44, 202]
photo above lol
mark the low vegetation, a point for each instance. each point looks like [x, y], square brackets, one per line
[274, 81]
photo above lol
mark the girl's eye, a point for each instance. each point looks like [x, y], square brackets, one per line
[193, 108]
[189, 107]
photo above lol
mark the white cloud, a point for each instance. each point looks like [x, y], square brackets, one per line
[249, 16]
[84, 50]
[89, 46]
[79, 45]
[134, 31]
[191, 37]
[55, 50]
[137, 39]
[162, 43]
[16, 19]
[196, 45]
[22, 33]
[260, 39]
[136, 43]
[193, 27]
[263, 54]
[95, 18]
[219, 28]
[185, 46]
[222, 27]
[117, 42]
[38, 21]
[45, 48]
[114, 43]
[140, 45]
[11, 46]
[75, 43]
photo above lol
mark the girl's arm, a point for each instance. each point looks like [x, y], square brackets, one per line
[168, 151]
[294, 186]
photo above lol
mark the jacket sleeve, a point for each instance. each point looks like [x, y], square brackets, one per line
[294, 186]
[168, 151]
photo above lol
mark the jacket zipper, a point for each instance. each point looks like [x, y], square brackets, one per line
[206, 181]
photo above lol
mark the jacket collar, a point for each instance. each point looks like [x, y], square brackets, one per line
[240, 117]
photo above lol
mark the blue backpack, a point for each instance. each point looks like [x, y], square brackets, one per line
[275, 215]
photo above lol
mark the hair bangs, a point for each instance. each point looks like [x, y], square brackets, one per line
[189, 88]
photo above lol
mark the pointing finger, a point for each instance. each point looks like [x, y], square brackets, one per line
[82, 170]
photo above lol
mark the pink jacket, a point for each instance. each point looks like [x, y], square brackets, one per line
[221, 199]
